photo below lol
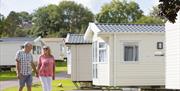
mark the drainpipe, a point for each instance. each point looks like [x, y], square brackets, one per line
[114, 62]
[77, 59]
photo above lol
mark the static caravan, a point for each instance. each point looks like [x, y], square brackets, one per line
[80, 58]
[127, 54]
[9, 47]
[173, 54]
[57, 46]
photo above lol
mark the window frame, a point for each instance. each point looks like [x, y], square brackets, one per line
[134, 45]
[104, 48]
[95, 60]
[38, 49]
[95, 71]
[34, 49]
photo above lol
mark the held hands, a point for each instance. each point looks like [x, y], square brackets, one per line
[53, 77]
[36, 74]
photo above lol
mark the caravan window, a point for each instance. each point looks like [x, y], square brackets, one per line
[38, 50]
[102, 52]
[95, 59]
[131, 52]
[34, 49]
[95, 71]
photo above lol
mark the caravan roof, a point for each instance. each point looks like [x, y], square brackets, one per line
[76, 39]
[16, 39]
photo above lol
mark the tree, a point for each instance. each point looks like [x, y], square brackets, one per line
[149, 20]
[11, 23]
[152, 18]
[45, 20]
[57, 21]
[12, 26]
[169, 9]
[155, 13]
[25, 19]
[119, 12]
[75, 17]
[1, 24]
[1, 17]
[25, 16]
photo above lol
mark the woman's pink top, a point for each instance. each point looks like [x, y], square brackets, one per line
[46, 65]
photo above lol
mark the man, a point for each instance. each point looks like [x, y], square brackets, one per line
[24, 65]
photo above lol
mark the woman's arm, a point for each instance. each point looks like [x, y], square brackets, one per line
[38, 66]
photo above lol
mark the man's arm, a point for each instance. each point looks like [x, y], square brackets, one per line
[38, 67]
[18, 69]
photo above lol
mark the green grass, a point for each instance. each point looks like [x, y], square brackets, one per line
[7, 76]
[60, 66]
[67, 85]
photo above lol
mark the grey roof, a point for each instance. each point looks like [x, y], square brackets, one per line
[16, 39]
[108, 27]
[76, 39]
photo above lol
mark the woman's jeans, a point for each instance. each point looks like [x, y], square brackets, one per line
[46, 82]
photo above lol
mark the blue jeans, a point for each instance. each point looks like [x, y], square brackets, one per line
[25, 79]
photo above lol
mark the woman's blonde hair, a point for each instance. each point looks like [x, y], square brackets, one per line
[48, 49]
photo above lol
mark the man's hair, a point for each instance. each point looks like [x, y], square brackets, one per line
[27, 44]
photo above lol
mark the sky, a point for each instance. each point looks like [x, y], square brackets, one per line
[94, 5]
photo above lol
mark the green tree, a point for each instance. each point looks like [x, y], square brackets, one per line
[169, 9]
[25, 24]
[11, 23]
[149, 20]
[74, 17]
[155, 12]
[45, 20]
[25, 16]
[25, 19]
[57, 21]
[12, 26]
[152, 18]
[119, 12]
[1, 24]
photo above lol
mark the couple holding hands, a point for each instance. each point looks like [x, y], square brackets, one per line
[45, 69]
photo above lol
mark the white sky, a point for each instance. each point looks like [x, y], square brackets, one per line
[94, 5]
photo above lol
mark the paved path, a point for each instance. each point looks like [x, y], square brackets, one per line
[62, 75]
[12, 83]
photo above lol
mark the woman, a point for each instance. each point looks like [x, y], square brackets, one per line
[46, 68]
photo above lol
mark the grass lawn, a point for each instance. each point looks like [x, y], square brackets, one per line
[60, 66]
[67, 85]
[7, 76]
